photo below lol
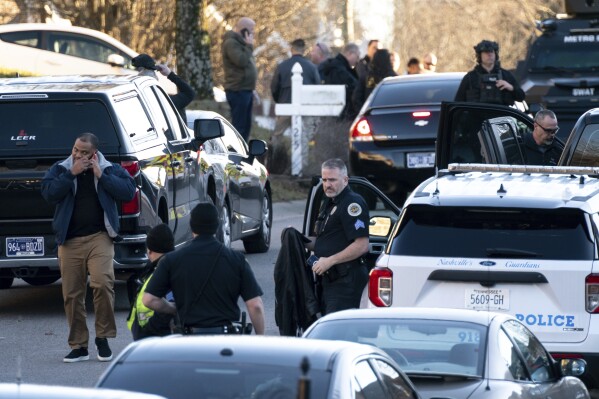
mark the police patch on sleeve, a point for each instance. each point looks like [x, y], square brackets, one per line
[359, 224]
[354, 209]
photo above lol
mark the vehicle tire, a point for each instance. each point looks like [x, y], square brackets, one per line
[224, 230]
[6, 282]
[38, 281]
[260, 242]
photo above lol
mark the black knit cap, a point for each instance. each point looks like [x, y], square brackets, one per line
[160, 239]
[204, 218]
[144, 61]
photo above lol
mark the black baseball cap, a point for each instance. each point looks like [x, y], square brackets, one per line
[144, 61]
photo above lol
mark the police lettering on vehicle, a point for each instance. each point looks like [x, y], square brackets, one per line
[546, 320]
[454, 262]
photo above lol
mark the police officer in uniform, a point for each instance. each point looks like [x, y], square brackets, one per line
[206, 279]
[341, 240]
[540, 146]
[488, 82]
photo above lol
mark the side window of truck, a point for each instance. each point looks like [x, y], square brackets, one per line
[156, 110]
[134, 119]
[171, 114]
[585, 151]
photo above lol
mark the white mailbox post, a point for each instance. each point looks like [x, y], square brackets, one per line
[308, 100]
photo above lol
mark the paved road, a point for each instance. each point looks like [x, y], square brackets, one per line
[33, 330]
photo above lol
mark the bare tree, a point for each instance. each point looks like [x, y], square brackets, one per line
[450, 28]
[193, 47]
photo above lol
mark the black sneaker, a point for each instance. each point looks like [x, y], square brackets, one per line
[104, 352]
[76, 355]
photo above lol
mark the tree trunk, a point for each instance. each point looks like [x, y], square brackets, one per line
[192, 45]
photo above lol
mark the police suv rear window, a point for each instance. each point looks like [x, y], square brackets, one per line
[50, 127]
[420, 92]
[433, 231]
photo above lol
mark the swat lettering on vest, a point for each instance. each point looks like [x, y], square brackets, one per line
[546, 320]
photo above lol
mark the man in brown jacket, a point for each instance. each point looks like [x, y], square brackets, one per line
[240, 73]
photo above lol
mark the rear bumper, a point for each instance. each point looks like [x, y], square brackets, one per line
[387, 167]
[129, 254]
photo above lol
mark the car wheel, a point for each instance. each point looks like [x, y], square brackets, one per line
[38, 281]
[6, 282]
[224, 232]
[260, 242]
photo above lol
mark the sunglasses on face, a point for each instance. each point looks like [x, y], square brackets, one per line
[548, 131]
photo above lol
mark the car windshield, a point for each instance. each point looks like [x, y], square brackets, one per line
[419, 346]
[416, 92]
[470, 232]
[566, 58]
[186, 380]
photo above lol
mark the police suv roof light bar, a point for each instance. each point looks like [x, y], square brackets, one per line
[563, 170]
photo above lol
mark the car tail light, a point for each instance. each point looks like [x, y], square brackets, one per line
[380, 287]
[592, 293]
[361, 131]
[421, 114]
[131, 207]
[131, 166]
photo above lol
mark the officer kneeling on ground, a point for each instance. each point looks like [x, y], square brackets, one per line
[206, 279]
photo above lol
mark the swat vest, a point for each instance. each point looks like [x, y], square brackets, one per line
[483, 88]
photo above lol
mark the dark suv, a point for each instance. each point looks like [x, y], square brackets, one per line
[392, 141]
[561, 69]
[138, 127]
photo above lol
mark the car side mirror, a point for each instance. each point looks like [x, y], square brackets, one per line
[380, 226]
[257, 147]
[116, 60]
[206, 129]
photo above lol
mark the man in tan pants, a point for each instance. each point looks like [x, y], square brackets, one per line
[85, 189]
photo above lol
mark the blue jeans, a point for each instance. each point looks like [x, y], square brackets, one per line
[241, 103]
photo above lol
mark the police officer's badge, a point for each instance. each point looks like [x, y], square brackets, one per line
[354, 209]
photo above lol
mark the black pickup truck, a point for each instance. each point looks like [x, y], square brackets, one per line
[138, 127]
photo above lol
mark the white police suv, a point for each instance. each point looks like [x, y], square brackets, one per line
[512, 238]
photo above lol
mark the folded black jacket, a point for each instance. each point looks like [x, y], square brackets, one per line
[296, 305]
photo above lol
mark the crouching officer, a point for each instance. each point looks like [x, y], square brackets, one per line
[206, 279]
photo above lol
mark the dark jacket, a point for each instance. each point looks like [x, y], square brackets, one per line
[478, 86]
[280, 86]
[337, 71]
[59, 187]
[238, 63]
[185, 94]
[548, 155]
[296, 305]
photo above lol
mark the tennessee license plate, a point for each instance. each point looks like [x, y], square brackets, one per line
[492, 299]
[421, 159]
[24, 246]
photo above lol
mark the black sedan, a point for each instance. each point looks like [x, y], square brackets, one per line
[392, 140]
[237, 183]
[256, 367]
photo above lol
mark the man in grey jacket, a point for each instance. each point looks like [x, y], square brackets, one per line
[240, 73]
[85, 189]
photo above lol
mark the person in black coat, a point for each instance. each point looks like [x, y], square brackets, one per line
[340, 70]
[185, 94]
[488, 82]
[379, 68]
